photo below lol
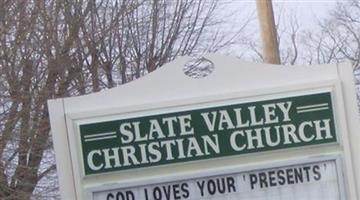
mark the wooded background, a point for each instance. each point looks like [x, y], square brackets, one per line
[61, 48]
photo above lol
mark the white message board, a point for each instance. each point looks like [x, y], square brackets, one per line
[155, 138]
[311, 181]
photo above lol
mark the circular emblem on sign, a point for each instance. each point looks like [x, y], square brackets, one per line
[198, 67]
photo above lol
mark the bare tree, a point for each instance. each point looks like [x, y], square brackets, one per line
[344, 30]
[60, 48]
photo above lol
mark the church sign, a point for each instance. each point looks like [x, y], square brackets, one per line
[245, 131]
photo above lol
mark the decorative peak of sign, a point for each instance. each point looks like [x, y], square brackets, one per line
[230, 75]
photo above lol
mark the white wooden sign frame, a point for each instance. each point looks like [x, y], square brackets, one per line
[231, 80]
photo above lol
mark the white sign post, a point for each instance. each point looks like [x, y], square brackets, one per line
[246, 131]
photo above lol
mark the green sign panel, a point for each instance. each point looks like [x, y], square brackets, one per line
[207, 133]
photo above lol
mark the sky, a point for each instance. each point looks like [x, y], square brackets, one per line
[308, 13]
[307, 10]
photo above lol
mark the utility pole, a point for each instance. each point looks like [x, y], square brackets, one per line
[268, 31]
